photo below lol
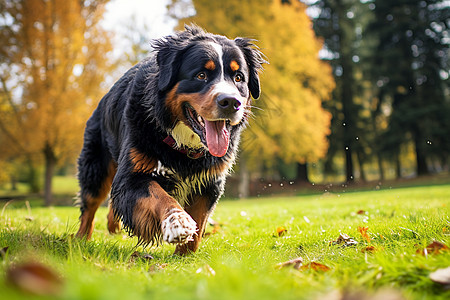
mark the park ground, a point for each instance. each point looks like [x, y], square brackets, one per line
[370, 244]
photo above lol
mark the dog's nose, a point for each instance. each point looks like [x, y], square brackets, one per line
[228, 104]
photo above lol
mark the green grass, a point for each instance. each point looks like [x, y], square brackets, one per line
[63, 185]
[244, 252]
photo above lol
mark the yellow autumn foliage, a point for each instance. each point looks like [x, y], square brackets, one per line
[56, 53]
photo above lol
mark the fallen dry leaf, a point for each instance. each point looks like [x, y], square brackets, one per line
[441, 276]
[216, 227]
[344, 240]
[34, 278]
[437, 247]
[363, 231]
[296, 263]
[370, 249]
[315, 267]
[434, 248]
[143, 256]
[361, 212]
[281, 231]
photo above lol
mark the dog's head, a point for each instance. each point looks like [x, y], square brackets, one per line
[206, 82]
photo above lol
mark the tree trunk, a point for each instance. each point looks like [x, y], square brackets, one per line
[50, 162]
[380, 166]
[347, 83]
[302, 173]
[421, 161]
[32, 177]
[398, 167]
[375, 146]
[244, 183]
[348, 165]
[13, 183]
[361, 168]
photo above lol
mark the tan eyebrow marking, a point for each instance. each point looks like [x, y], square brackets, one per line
[234, 66]
[210, 65]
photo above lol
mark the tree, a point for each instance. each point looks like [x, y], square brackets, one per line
[338, 23]
[290, 123]
[52, 61]
[412, 62]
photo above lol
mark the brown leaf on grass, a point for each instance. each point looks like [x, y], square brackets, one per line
[441, 276]
[315, 266]
[296, 263]
[281, 231]
[370, 249]
[216, 227]
[361, 212]
[437, 247]
[344, 240]
[363, 231]
[434, 248]
[34, 278]
[142, 256]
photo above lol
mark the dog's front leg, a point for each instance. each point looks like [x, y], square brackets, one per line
[150, 213]
[199, 209]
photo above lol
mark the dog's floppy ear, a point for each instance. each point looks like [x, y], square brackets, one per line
[167, 61]
[169, 49]
[254, 59]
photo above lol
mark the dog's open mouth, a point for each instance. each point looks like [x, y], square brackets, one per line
[214, 134]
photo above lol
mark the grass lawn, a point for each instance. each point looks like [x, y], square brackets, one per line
[238, 259]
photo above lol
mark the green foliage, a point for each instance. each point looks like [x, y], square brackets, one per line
[244, 251]
[412, 74]
[390, 61]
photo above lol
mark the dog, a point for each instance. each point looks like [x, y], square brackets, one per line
[163, 139]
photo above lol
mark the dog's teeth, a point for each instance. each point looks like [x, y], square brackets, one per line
[200, 120]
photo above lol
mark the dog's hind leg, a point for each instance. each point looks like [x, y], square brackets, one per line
[91, 200]
[113, 223]
[96, 170]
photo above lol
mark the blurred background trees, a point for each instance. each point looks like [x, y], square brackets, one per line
[52, 62]
[355, 90]
[390, 61]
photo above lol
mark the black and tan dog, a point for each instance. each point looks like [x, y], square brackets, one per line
[163, 139]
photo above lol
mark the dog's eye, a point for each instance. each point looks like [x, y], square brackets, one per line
[201, 76]
[238, 78]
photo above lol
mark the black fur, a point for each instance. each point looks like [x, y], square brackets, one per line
[134, 115]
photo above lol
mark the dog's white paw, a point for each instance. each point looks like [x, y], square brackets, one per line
[178, 227]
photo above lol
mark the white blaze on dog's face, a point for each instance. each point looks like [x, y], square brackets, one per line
[210, 97]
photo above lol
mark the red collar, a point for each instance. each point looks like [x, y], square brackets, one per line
[191, 153]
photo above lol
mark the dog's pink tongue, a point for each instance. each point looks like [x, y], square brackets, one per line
[217, 137]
